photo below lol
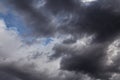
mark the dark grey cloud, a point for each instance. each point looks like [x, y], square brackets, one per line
[61, 5]
[37, 21]
[92, 60]
[69, 41]
[5, 76]
[100, 18]
[41, 20]
[21, 72]
[97, 19]
[15, 71]
[103, 22]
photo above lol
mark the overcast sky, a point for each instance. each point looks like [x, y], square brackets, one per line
[59, 40]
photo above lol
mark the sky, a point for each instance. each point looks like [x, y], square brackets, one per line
[59, 40]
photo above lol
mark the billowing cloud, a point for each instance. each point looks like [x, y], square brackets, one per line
[21, 61]
[36, 19]
[16, 57]
[79, 54]
[100, 18]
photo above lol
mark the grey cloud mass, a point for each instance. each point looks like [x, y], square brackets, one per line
[15, 71]
[100, 19]
[24, 72]
[36, 19]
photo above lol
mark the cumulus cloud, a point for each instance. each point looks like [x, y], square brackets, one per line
[16, 57]
[8, 37]
[21, 61]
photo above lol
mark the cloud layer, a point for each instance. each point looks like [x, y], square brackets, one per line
[84, 33]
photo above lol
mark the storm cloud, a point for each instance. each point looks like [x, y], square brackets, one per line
[15, 71]
[37, 21]
[100, 18]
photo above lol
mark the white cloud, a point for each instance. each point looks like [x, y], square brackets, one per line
[88, 1]
[9, 41]
[12, 48]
